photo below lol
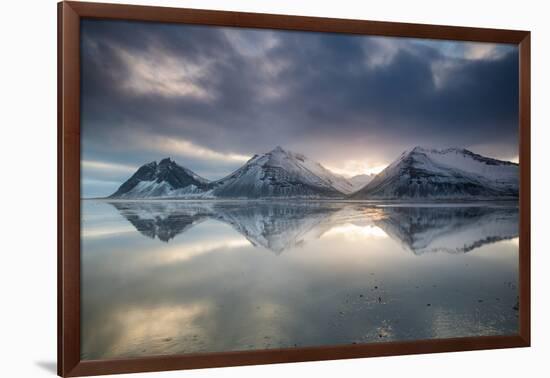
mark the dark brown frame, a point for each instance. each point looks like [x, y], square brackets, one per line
[69, 15]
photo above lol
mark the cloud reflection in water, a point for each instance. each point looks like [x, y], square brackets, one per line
[191, 278]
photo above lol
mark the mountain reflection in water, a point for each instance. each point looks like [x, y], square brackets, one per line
[172, 277]
[282, 226]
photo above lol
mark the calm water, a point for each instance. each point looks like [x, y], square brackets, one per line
[180, 277]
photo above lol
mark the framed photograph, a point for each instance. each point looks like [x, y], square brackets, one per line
[239, 188]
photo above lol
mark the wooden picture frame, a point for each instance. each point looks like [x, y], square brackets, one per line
[69, 16]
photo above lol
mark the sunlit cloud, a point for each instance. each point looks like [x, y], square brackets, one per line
[466, 50]
[105, 166]
[185, 148]
[352, 168]
[159, 73]
[476, 50]
[456, 54]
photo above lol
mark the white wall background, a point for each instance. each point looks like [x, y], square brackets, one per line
[28, 186]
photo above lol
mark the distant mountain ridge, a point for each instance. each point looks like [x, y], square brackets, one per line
[418, 173]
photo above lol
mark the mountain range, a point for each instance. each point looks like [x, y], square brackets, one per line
[418, 173]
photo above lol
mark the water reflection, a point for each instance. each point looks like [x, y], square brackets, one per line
[280, 226]
[449, 229]
[162, 220]
[179, 277]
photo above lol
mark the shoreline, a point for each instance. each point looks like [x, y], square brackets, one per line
[437, 202]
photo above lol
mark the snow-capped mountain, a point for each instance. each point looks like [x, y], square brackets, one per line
[453, 173]
[165, 179]
[281, 173]
[360, 181]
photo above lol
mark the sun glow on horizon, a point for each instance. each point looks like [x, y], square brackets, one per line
[352, 168]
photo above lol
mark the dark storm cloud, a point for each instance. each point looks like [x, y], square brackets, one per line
[210, 97]
[402, 96]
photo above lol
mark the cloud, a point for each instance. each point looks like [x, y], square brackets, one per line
[477, 50]
[251, 43]
[466, 50]
[185, 148]
[100, 178]
[158, 73]
[106, 166]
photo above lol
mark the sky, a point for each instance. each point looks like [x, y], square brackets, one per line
[212, 97]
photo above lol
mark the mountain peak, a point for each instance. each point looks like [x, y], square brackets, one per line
[418, 149]
[278, 149]
[152, 164]
[426, 149]
[166, 161]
